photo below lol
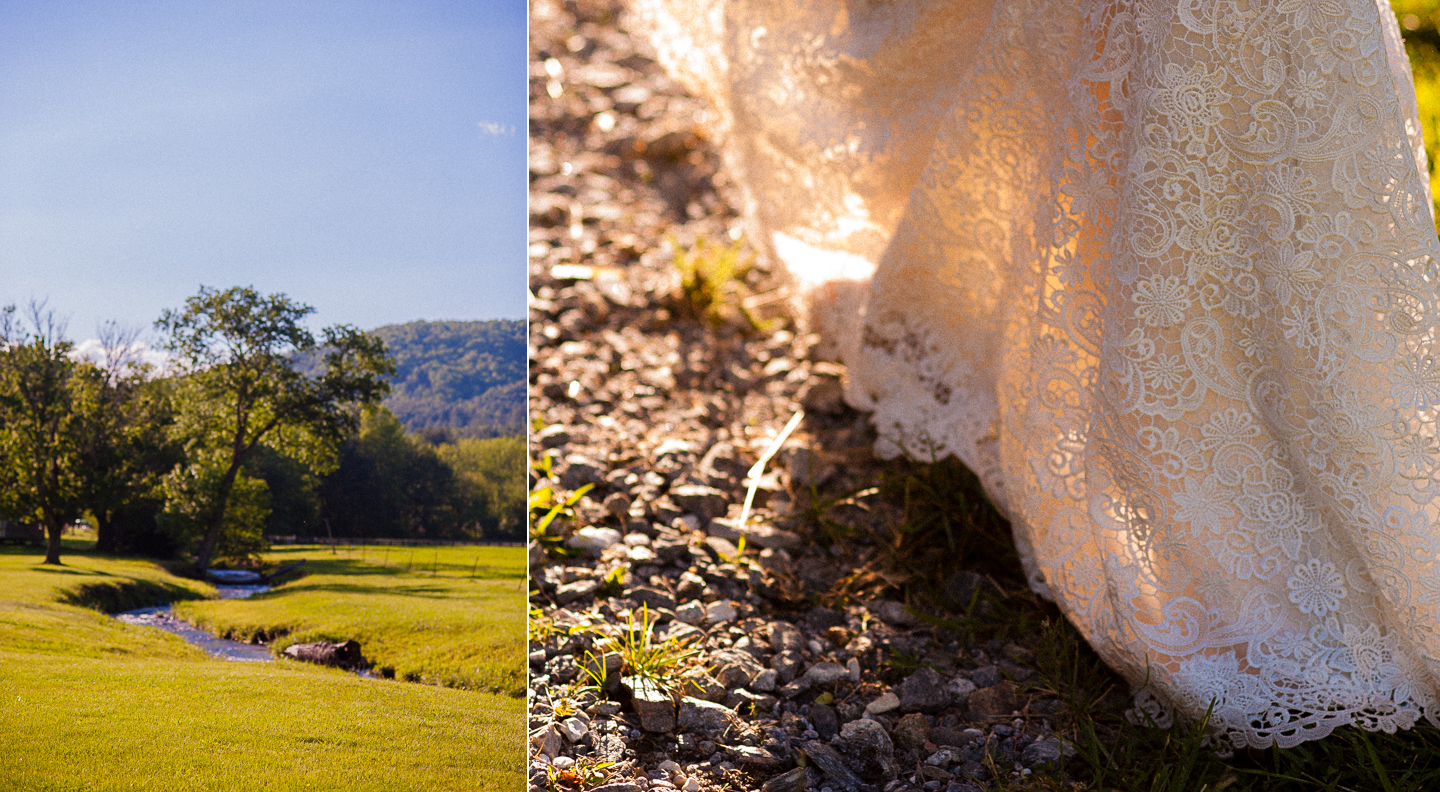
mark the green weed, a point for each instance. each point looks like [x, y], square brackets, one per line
[712, 283]
[658, 662]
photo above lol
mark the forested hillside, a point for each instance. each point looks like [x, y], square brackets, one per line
[458, 379]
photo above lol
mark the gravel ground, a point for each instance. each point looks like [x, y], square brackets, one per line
[829, 654]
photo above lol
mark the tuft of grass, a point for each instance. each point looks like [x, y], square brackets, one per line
[712, 283]
[657, 662]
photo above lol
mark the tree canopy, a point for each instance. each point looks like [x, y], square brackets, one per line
[48, 401]
[240, 387]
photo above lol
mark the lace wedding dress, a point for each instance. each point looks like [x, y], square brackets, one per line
[1165, 275]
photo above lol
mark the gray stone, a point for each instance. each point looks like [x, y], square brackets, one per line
[825, 673]
[1015, 672]
[570, 592]
[640, 554]
[704, 717]
[651, 597]
[678, 631]
[547, 741]
[700, 684]
[604, 666]
[670, 550]
[581, 470]
[767, 536]
[562, 668]
[887, 702]
[941, 735]
[689, 586]
[924, 691]
[673, 447]
[738, 657]
[825, 721]
[1050, 749]
[794, 688]
[720, 611]
[831, 764]
[787, 664]
[618, 786]
[892, 612]
[345, 654]
[722, 548]
[785, 637]
[765, 681]
[553, 436]
[654, 706]
[821, 619]
[699, 499]
[985, 676]
[758, 758]
[758, 702]
[692, 612]
[572, 729]
[732, 675]
[869, 750]
[911, 733]
[593, 540]
[992, 702]
[963, 786]
[793, 780]
[960, 689]
[859, 645]
[944, 758]
[618, 504]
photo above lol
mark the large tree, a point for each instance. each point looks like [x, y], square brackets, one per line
[243, 384]
[127, 446]
[47, 401]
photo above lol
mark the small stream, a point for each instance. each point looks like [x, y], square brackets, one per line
[221, 648]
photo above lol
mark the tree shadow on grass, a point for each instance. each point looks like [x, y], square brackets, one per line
[64, 570]
[426, 591]
[123, 595]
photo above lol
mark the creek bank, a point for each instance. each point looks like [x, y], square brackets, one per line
[160, 617]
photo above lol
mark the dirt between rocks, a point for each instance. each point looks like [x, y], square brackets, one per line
[838, 651]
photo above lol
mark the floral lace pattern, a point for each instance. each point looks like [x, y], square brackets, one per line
[1168, 281]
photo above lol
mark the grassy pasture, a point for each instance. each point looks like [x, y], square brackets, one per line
[417, 611]
[90, 703]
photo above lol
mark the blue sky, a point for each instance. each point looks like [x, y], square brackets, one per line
[366, 158]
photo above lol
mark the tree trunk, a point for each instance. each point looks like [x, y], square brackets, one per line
[217, 519]
[106, 540]
[52, 546]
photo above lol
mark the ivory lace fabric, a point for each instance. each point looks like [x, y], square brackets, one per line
[1165, 275]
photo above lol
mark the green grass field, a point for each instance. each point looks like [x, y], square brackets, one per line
[417, 611]
[87, 702]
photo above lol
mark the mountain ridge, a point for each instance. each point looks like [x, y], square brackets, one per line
[458, 378]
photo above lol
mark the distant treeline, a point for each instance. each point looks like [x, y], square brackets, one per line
[257, 426]
[458, 379]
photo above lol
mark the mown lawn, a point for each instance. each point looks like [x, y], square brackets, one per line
[87, 702]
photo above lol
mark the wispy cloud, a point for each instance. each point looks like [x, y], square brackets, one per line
[138, 353]
[492, 129]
